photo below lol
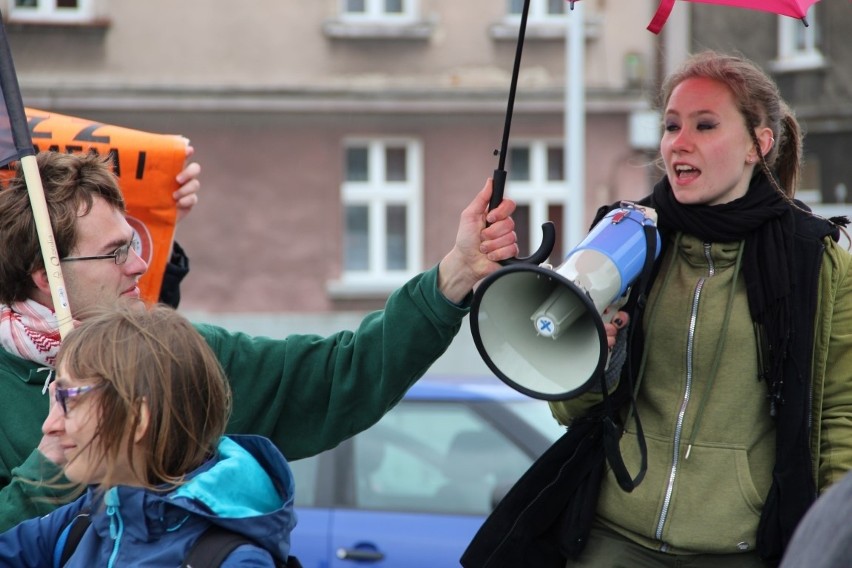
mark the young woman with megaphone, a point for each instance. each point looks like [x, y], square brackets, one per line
[738, 358]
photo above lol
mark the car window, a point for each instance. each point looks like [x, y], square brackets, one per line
[305, 473]
[537, 414]
[433, 457]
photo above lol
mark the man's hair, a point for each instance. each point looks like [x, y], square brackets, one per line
[151, 356]
[71, 183]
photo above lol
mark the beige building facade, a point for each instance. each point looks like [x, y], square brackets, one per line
[340, 139]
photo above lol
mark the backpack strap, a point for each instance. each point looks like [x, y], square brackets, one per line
[215, 544]
[212, 547]
[70, 537]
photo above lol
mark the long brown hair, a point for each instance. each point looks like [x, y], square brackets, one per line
[759, 101]
[151, 356]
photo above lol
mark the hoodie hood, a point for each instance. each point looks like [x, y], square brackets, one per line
[246, 488]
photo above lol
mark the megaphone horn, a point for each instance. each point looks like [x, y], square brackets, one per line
[541, 330]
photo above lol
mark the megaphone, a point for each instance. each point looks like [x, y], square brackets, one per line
[540, 330]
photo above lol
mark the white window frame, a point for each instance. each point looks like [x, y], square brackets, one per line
[538, 13]
[791, 57]
[538, 193]
[541, 25]
[374, 13]
[47, 12]
[377, 194]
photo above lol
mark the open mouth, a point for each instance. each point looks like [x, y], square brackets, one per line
[686, 173]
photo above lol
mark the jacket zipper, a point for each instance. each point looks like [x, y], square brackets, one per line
[690, 345]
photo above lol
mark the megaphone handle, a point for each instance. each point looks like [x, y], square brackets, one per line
[548, 229]
[612, 310]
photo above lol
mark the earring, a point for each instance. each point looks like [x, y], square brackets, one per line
[750, 160]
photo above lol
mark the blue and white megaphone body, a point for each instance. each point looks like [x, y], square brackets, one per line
[541, 330]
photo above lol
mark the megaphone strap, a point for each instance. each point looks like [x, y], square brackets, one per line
[611, 436]
[639, 294]
[612, 431]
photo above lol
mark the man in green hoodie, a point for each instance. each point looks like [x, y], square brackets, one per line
[306, 393]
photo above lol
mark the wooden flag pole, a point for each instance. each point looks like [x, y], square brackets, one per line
[26, 155]
[49, 253]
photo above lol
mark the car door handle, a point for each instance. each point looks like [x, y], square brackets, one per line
[360, 554]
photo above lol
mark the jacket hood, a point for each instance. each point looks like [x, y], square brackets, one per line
[246, 488]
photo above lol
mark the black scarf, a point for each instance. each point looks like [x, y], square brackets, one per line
[763, 218]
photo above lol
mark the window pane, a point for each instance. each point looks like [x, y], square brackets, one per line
[810, 176]
[356, 241]
[434, 457]
[355, 6]
[516, 6]
[357, 167]
[74, 4]
[396, 238]
[519, 164]
[26, 3]
[537, 414]
[801, 38]
[393, 6]
[395, 169]
[305, 472]
[521, 217]
[555, 7]
[555, 162]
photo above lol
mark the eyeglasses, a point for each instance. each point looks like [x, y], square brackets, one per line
[61, 395]
[119, 255]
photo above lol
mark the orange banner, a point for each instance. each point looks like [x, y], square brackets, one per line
[146, 165]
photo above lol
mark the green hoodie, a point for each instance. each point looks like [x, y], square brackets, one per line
[710, 440]
[707, 427]
[307, 393]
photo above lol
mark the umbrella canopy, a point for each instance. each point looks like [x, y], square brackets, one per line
[792, 8]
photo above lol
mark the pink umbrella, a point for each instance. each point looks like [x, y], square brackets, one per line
[792, 8]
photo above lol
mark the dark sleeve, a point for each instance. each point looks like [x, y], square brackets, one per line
[176, 269]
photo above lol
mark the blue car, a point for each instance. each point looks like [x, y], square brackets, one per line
[413, 490]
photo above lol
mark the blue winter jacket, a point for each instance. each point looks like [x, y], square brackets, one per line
[247, 488]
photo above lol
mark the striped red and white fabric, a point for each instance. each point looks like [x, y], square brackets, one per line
[30, 330]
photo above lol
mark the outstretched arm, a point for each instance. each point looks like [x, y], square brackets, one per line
[309, 393]
[484, 238]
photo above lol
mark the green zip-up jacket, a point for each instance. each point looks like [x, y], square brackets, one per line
[707, 435]
[305, 392]
[710, 440]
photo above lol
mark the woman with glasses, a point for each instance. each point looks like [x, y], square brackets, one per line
[140, 404]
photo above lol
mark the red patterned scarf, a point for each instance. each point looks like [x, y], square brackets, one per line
[30, 331]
